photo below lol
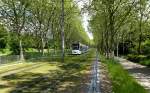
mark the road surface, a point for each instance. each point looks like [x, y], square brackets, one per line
[139, 72]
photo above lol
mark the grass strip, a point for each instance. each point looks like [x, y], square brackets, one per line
[17, 67]
[121, 80]
[68, 77]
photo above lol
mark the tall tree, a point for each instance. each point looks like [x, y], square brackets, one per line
[112, 15]
[14, 14]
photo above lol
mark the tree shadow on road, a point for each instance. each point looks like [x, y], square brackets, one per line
[144, 71]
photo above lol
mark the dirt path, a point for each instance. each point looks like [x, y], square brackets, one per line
[106, 86]
[139, 72]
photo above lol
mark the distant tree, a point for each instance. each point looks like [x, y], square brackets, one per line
[3, 37]
[109, 16]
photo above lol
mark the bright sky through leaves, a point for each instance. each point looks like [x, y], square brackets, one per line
[85, 17]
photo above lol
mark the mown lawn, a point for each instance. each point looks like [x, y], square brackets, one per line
[53, 77]
[16, 66]
[122, 82]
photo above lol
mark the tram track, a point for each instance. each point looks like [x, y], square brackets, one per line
[94, 86]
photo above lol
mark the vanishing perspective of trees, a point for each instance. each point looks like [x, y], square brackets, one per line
[120, 26]
[40, 24]
[74, 46]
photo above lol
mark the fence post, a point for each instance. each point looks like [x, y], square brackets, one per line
[0, 60]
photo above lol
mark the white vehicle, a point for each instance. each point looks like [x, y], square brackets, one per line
[78, 48]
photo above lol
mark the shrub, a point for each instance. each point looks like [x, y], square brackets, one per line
[133, 51]
[136, 58]
[145, 62]
[146, 47]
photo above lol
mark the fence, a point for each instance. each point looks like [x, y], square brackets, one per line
[50, 55]
[9, 59]
[33, 56]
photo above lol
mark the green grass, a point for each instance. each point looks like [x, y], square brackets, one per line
[11, 83]
[122, 82]
[145, 62]
[17, 66]
[4, 52]
[58, 77]
[140, 59]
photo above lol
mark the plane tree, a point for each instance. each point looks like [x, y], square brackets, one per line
[13, 15]
[109, 16]
[37, 24]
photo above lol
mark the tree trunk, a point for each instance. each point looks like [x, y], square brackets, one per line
[107, 44]
[112, 54]
[117, 48]
[140, 29]
[21, 50]
[139, 46]
[62, 32]
[48, 48]
[43, 46]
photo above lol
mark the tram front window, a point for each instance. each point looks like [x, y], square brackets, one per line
[75, 46]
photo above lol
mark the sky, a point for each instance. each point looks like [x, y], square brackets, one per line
[85, 17]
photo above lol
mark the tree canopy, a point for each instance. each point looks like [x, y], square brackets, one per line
[36, 23]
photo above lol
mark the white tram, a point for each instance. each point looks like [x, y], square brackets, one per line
[78, 48]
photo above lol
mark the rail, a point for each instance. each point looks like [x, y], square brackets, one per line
[94, 86]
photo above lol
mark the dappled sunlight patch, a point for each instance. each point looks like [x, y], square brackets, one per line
[66, 85]
[44, 69]
[85, 71]
[15, 67]
[16, 83]
[11, 77]
[4, 86]
[67, 77]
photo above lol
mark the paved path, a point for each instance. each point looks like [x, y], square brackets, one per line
[139, 72]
